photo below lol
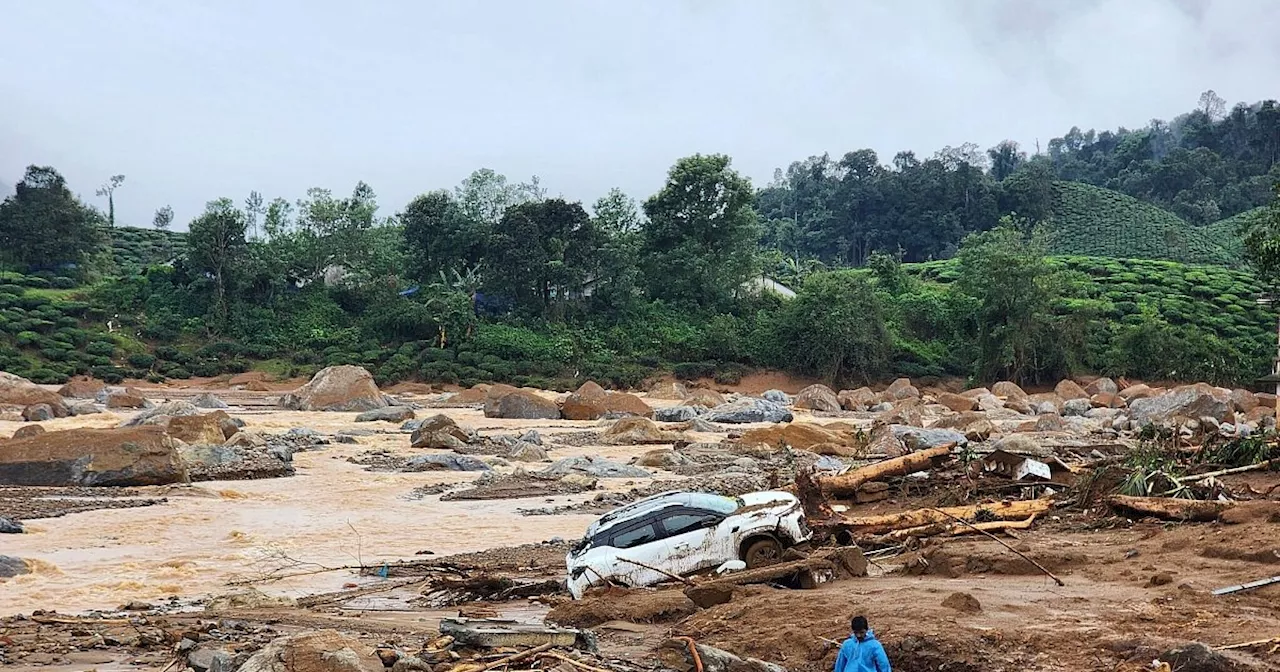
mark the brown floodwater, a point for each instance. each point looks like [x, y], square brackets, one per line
[331, 513]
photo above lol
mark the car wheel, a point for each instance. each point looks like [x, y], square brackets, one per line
[762, 552]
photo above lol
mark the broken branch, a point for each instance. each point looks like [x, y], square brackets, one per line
[515, 658]
[664, 572]
[1168, 508]
[1000, 541]
[1225, 472]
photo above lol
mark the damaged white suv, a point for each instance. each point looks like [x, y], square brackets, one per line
[682, 533]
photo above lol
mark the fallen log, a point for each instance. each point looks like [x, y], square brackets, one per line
[866, 525]
[846, 560]
[1265, 464]
[848, 484]
[1169, 508]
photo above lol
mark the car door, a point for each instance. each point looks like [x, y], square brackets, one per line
[640, 540]
[695, 540]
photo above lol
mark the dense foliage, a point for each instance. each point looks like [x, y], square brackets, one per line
[980, 264]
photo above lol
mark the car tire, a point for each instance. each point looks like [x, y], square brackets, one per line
[762, 553]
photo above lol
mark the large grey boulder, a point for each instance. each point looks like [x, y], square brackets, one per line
[591, 465]
[337, 388]
[161, 413]
[207, 400]
[817, 397]
[522, 405]
[387, 414]
[749, 410]
[1076, 407]
[915, 438]
[675, 414]
[10, 526]
[314, 651]
[776, 396]
[93, 457]
[446, 462]
[1188, 401]
[11, 567]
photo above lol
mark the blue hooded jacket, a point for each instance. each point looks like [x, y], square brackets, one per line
[865, 656]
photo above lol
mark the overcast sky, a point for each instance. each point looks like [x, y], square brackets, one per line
[195, 99]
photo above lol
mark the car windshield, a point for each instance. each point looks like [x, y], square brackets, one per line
[710, 502]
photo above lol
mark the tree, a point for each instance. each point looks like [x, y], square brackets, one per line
[440, 237]
[1213, 106]
[215, 246]
[541, 254]
[834, 328]
[109, 190]
[43, 225]
[1005, 271]
[1262, 246]
[1005, 158]
[253, 208]
[618, 225]
[163, 218]
[616, 213]
[699, 242]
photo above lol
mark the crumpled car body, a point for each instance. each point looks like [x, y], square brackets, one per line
[682, 533]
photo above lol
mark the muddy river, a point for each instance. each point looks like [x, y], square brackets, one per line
[331, 513]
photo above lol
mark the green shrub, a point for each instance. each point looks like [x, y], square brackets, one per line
[694, 370]
[46, 376]
[141, 360]
[100, 349]
[62, 283]
[27, 338]
[108, 374]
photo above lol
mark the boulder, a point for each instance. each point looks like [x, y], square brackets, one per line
[663, 458]
[816, 397]
[776, 396]
[441, 432]
[11, 567]
[207, 400]
[748, 410]
[668, 389]
[857, 400]
[161, 413]
[1069, 389]
[905, 412]
[1019, 443]
[1008, 390]
[81, 387]
[1102, 386]
[1197, 657]
[1052, 398]
[594, 466]
[592, 402]
[18, 391]
[493, 395]
[387, 414]
[85, 408]
[1139, 391]
[198, 429]
[676, 413]
[93, 457]
[900, 389]
[475, 394]
[976, 392]
[336, 388]
[1106, 400]
[318, 651]
[1076, 407]
[802, 436]
[522, 405]
[974, 425]
[635, 431]
[705, 398]
[1265, 399]
[446, 462]
[236, 461]
[126, 400]
[915, 438]
[1243, 401]
[38, 413]
[28, 430]
[958, 402]
[10, 526]
[523, 451]
[1190, 401]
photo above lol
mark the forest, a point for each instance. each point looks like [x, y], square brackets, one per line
[1138, 253]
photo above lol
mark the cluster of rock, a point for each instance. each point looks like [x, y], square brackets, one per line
[1100, 405]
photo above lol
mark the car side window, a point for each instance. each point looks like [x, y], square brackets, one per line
[685, 521]
[634, 536]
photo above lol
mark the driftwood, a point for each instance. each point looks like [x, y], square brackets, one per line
[659, 570]
[1168, 508]
[848, 484]
[1226, 472]
[880, 524]
[1020, 554]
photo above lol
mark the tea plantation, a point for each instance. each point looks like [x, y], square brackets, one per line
[134, 249]
[1227, 232]
[1093, 221]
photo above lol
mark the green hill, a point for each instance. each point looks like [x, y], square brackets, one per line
[1227, 232]
[1092, 221]
[135, 249]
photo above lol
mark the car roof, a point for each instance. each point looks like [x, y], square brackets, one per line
[662, 500]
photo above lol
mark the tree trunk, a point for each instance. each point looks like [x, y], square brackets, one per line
[1168, 508]
[848, 484]
[880, 524]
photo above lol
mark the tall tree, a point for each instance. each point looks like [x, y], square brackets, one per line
[109, 190]
[543, 253]
[701, 233]
[215, 246]
[440, 237]
[253, 209]
[1262, 246]
[43, 225]
[163, 218]
[1005, 158]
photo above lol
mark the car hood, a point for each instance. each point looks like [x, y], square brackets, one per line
[770, 497]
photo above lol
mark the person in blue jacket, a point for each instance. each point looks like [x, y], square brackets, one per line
[861, 652]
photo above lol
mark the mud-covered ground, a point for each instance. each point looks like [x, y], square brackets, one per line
[363, 550]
